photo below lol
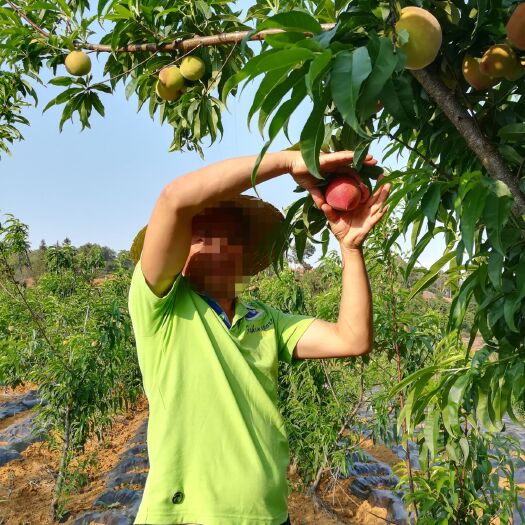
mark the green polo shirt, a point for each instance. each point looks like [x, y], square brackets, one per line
[217, 444]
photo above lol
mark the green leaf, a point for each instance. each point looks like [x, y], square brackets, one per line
[275, 96]
[268, 83]
[459, 303]
[72, 105]
[281, 116]
[248, 70]
[284, 229]
[510, 307]
[451, 409]
[63, 97]
[425, 373]
[495, 269]
[300, 245]
[349, 71]
[496, 214]
[120, 12]
[318, 69]
[285, 110]
[420, 247]
[384, 62]
[510, 154]
[513, 132]
[284, 40]
[101, 4]
[402, 37]
[413, 394]
[130, 87]
[484, 410]
[97, 104]
[292, 21]
[325, 37]
[312, 134]
[61, 81]
[432, 273]
[282, 58]
[360, 153]
[430, 201]
[431, 430]
[471, 210]
[398, 99]
[65, 8]
[325, 236]
[463, 443]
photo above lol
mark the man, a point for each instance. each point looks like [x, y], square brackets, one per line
[217, 445]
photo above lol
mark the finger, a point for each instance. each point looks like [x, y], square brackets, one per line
[347, 170]
[380, 212]
[330, 213]
[338, 158]
[382, 188]
[379, 181]
[317, 196]
[374, 197]
[376, 206]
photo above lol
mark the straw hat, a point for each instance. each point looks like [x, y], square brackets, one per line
[254, 222]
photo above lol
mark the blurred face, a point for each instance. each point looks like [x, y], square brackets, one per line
[215, 266]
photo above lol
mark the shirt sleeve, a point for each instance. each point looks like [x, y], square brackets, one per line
[289, 329]
[146, 309]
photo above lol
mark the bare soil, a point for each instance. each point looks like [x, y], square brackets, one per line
[26, 484]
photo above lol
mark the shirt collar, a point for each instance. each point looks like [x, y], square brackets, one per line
[241, 309]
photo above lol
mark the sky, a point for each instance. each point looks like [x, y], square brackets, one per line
[99, 185]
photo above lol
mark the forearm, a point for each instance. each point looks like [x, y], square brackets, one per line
[355, 321]
[222, 180]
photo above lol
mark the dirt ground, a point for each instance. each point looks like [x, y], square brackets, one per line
[26, 484]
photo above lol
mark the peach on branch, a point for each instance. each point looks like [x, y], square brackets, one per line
[166, 93]
[498, 61]
[424, 36]
[77, 63]
[171, 77]
[192, 67]
[516, 27]
[474, 76]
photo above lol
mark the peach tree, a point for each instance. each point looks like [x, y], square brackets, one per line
[441, 82]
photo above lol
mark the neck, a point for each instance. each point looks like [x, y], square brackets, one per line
[227, 304]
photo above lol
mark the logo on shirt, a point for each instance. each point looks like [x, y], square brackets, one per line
[253, 313]
[260, 328]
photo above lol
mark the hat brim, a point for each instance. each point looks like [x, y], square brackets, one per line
[263, 221]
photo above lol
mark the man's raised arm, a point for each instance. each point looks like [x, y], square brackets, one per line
[168, 235]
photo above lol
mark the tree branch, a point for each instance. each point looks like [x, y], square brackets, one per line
[466, 125]
[418, 153]
[188, 44]
[27, 19]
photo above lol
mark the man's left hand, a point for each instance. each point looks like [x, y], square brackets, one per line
[351, 227]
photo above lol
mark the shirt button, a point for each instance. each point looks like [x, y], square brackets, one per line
[177, 497]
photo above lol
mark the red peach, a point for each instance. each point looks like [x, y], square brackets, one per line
[343, 193]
